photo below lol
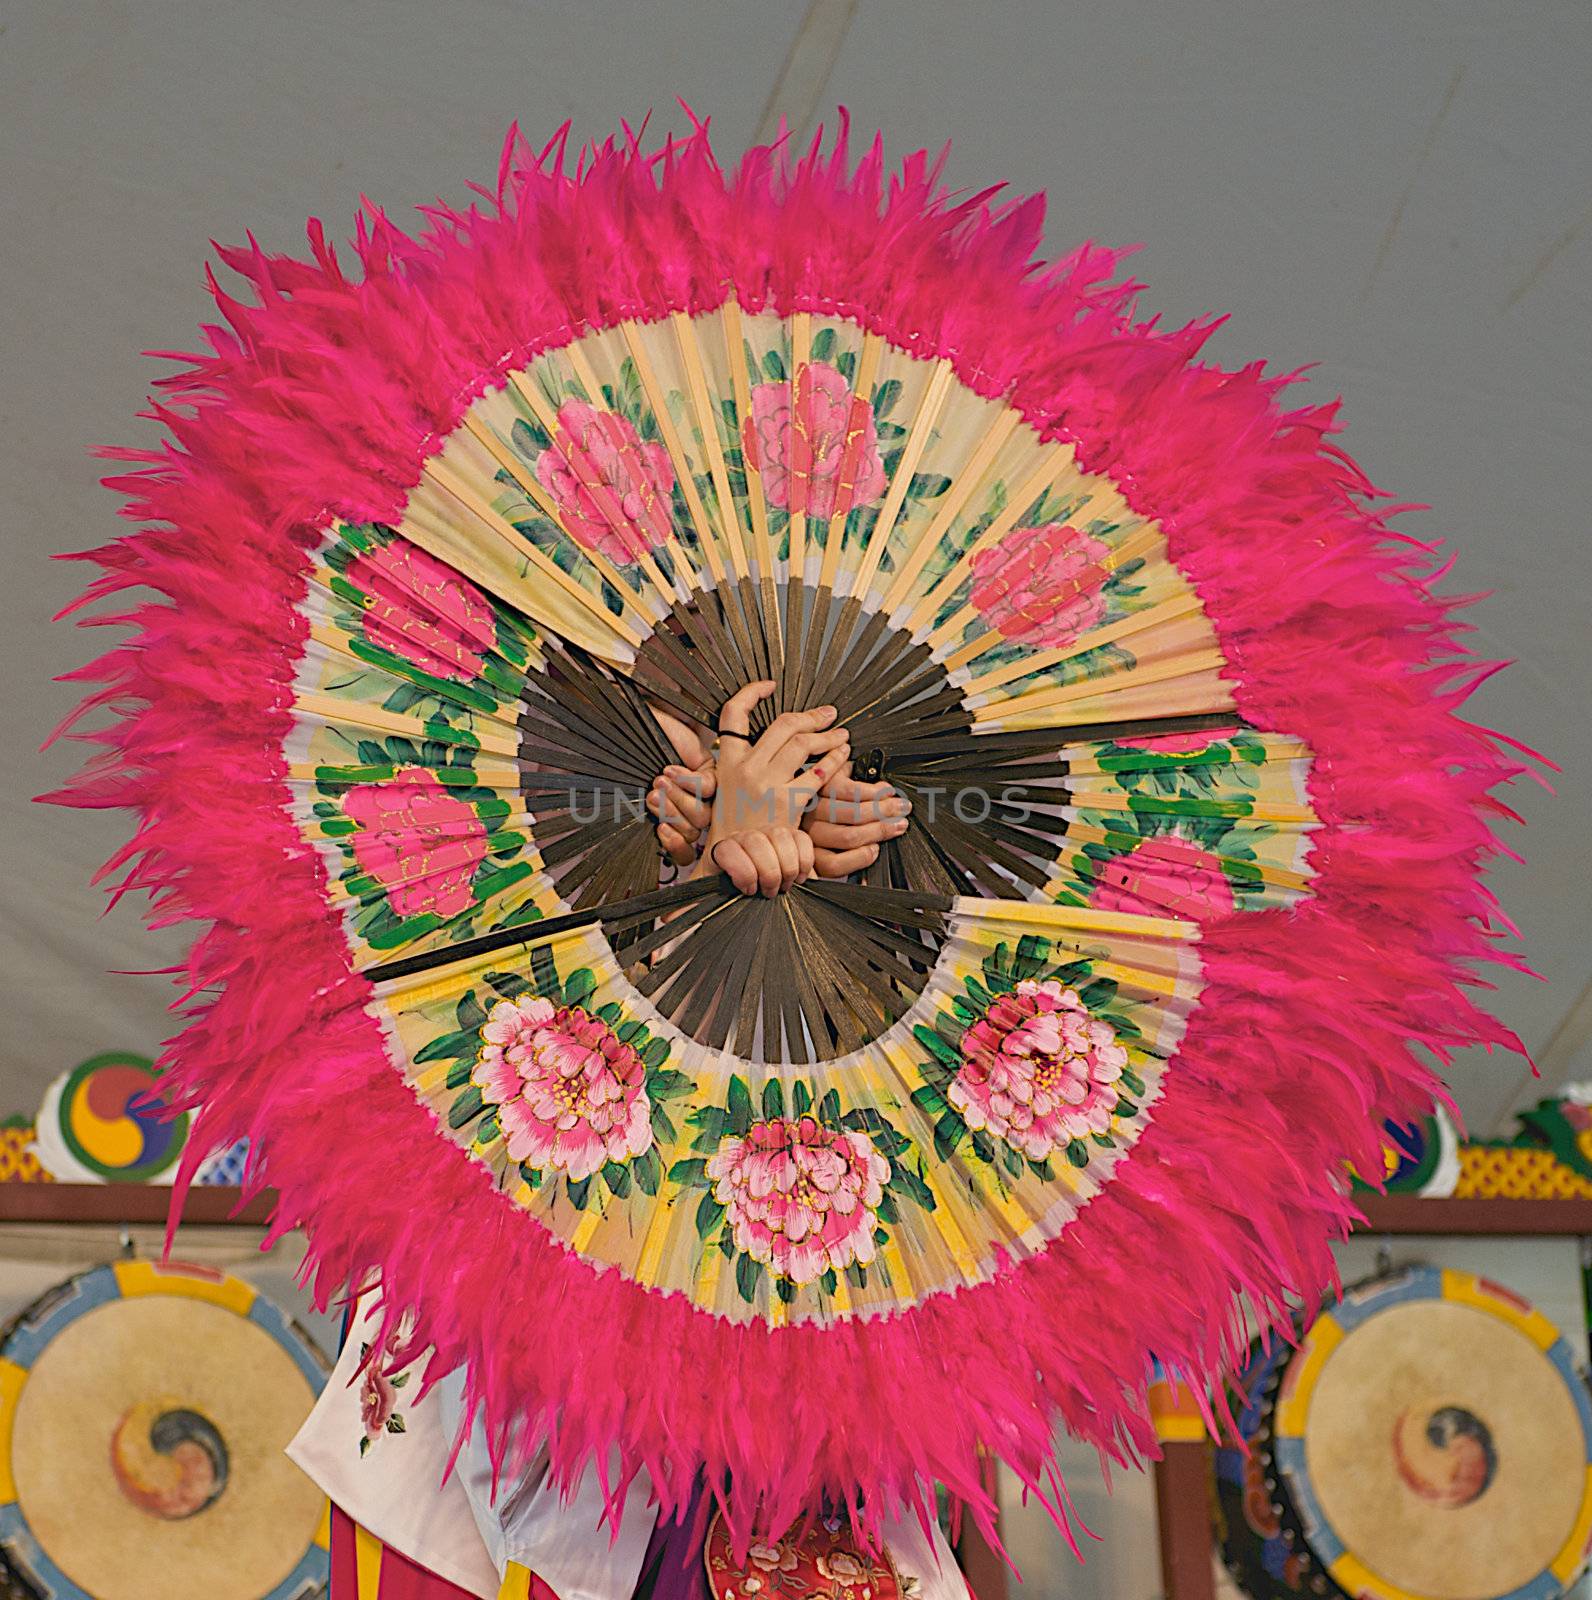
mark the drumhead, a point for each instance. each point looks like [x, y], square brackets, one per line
[143, 1417]
[1434, 1439]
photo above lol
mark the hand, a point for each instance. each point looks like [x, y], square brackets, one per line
[764, 860]
[849, 821]
[769, 785]
[681, 796]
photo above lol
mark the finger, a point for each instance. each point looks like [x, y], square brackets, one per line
[735, 715]
[842, 863]
[840, 836]
[730, 856]
[806, 854]
[703, 781]
[686, 738]
[789, 724]
[697, 813]
[801, 749]
[847, 805]
[790, 861]
[805, 786]
[665, 807]
[679, 849]
[765, 858]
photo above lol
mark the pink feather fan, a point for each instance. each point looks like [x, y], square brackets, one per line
[1197, 912]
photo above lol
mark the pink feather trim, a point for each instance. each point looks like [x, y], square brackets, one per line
[323, 394]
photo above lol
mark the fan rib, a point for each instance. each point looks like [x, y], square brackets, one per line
[671, 442]
[1036, 700]
[1057, 464]
[523, 551]
[928, 413]
[963, 483]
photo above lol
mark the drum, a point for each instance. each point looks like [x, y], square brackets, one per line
[143, 1417]
[1261, 1546]
[103, 1122]
[1422, 1156]
[1432, 1440]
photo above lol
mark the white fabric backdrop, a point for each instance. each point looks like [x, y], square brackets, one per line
[1398, 192]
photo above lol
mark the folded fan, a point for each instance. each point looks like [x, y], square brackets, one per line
[825, 1194]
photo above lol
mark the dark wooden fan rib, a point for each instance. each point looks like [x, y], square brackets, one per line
[916, 858]
[752, 1000]
[754, 603]
[614, 704]
[568, 741]
[795, 634]
[817, 972]
[619, 914]
[864, 658]
[702, 624]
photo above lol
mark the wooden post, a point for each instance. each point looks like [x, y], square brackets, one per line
[986, 1573]
[1183, 1514]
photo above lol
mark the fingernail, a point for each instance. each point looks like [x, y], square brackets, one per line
[897, 808]
[873, 852]
[898, 828]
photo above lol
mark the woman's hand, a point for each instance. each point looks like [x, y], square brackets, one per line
[681, 798]
[849, 821]
[767, 786]
[765, 861]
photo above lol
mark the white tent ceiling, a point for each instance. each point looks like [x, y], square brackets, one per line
[1399, 193]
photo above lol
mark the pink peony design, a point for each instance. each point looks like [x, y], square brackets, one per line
[418, 842]
[612, 490]
[804, 460]
[1175, 744]
[801, 1197]
[570, 1093]
[378, 1398]
[1037, 1070]
[1041, 586]
[1165, 876]
[423, 611]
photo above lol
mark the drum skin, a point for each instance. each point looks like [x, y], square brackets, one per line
[1432, 1440]
[143, 1417]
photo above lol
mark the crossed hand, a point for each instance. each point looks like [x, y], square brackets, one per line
[774, 811]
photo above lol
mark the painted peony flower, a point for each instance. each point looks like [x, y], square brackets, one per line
[1041, 586]
[803, 459]
[612, 490]
[570, 1093]
[1175, 744]
[424, 611]
[1037, 1070]
[377, 1399]
[801, 1197]
[418, 842]
[1165, 876]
